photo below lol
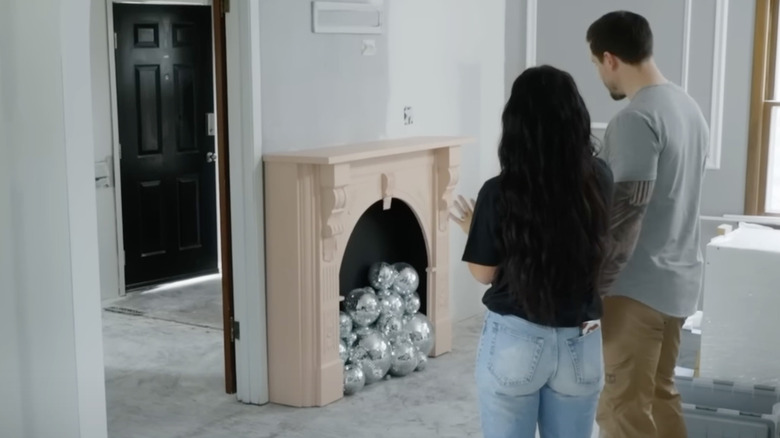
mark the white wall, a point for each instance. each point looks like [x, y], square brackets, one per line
[53, 345]
[445, 58]
[561, 42]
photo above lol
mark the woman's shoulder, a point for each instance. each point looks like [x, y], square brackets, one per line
[490, 188]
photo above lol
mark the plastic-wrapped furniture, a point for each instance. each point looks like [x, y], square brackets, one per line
[723, 409]
[740, 328]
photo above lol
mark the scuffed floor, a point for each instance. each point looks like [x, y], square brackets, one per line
[164, 379]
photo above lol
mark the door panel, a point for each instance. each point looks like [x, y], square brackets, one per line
[164, 93]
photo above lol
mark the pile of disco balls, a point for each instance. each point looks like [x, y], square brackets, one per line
[382, 332]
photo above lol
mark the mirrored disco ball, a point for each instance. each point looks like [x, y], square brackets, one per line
[362, 306]
[356, 354]
[362, 332]
[421, 332]
[391, 304]
[404, 359]
[422, 361]
[343, 351]
[379, 354]
[401, 337]
[412, 303]
[381, 275]
[390, 326]
[354, 379]
[406, 280]
[351, 339]
[372, 372]
[345, 325]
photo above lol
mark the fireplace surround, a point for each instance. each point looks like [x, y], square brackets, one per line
[313, 202]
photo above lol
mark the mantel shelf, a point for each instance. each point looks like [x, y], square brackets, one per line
[365, 151]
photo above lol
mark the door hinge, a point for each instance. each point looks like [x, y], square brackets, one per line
[114, 40]
[235, 330]
[225, 6]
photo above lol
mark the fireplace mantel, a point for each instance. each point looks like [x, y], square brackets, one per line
[313, 199]
[364, 151]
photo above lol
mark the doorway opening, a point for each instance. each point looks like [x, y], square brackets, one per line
[169, 97]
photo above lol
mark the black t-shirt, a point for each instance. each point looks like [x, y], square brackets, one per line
[482, 249]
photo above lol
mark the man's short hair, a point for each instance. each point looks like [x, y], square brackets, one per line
[624, 34]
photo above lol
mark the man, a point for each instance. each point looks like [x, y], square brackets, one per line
[657, 148]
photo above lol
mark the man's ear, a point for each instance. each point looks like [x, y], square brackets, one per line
[611, 61]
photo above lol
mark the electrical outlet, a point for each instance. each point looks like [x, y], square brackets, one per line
[369, 48]
[408, 116]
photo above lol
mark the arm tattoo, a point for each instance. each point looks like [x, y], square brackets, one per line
[629, 205]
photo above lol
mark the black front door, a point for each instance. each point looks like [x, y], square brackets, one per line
[164, 99]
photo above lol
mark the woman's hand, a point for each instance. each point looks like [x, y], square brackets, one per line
[462, 212]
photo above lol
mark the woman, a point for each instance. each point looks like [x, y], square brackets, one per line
[537, 235]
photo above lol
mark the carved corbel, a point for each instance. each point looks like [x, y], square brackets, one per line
[333, 184]
[447, 174]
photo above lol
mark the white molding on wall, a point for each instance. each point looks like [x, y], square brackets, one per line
[718, 83]
[718, 67]
[531, 22]
[686, 55]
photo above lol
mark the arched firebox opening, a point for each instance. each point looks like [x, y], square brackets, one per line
[391, 236]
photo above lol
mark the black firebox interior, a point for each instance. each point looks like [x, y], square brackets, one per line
[390, 236]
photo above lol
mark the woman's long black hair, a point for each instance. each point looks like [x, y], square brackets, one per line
[553, 217]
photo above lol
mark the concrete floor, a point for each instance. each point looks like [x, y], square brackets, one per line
[164, 378]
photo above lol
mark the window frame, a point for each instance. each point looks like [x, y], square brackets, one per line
[761, 104]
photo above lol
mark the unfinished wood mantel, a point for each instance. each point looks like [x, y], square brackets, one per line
[313, 200]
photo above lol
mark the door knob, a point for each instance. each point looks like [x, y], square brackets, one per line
[211, 157]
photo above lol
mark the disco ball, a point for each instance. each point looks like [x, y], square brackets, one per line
[391, 304]
[390, 326]
[362, 332]
[406, 280]
[412, 303]
[351, 339]
[421, 332]
[371, 370]
[404, 359]
[345, 325]
[357, 354]
[381, 275]
[422, 361]
[362, 306]
[354, 379]
[343, 351]
[379, 355]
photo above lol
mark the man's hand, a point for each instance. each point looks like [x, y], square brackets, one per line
[462, 212]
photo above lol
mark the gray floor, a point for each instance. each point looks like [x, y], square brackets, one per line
[164, 378]
[197, 304]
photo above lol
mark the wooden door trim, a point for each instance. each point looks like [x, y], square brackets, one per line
[226, 232]
[758, 129]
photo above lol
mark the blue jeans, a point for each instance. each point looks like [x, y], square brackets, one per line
[528, 374]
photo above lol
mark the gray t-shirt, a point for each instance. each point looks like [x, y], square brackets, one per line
[662, 136]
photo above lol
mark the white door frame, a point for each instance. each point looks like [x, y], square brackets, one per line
[246, 187]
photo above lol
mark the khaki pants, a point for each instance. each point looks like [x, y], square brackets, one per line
[640, 352]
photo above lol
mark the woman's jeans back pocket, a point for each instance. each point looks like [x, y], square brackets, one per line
[586, 356]
[513, 357]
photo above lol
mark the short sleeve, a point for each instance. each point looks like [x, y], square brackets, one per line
[482, 243]
[631, 148]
